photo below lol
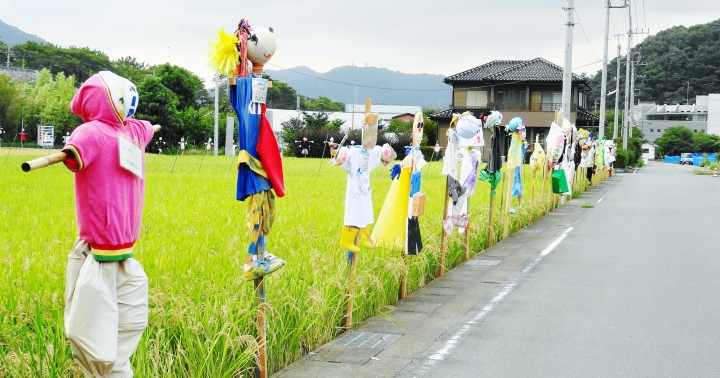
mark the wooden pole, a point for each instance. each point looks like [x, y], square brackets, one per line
[352, 267]
[446, 208]
[261, 370]
[403, 283]
[508, 199]
[491, 235]
[467, 235]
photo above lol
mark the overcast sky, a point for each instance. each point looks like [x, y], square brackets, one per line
[419, 36]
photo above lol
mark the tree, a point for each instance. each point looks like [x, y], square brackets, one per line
[180, 81]
[321, 104]
[281, 95]
[129, 68]
[705, 143]
[399, 126]
[675, 141]
[315, 121]
[335, 125]
[158, 104]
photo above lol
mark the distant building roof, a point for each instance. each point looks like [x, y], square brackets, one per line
[28, 76]
[583, 116]
[383, 109]
[535, 70]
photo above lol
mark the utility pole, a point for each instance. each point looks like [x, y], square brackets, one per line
[603, 90]
[627, 81]
[603, 82]
[632, 98]
[617, 89]
[567, 70]
[8, 57]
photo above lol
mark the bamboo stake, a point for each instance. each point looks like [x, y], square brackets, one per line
[467, 236]
[55, 158]
[9, 150]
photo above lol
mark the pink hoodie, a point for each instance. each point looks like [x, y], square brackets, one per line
[108, 198]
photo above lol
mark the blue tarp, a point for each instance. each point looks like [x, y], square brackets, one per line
[697, 158]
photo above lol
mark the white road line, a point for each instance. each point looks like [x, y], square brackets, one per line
[488, 308]
[600, 199]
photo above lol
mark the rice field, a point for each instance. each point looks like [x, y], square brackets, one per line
[192, 246]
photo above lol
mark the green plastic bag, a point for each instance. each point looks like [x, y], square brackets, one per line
[559, 182]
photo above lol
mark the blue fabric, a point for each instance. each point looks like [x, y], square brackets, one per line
[248, 182]
[395, 171]
[414, 183]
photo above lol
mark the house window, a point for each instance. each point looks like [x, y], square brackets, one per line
[695, 130]
[477, 99]
[511, 100]
[551, 101]
[646, 150]
[651, 130]
[521, 100]
[500, 100]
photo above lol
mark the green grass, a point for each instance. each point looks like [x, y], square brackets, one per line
[588, 205]
[192, 246]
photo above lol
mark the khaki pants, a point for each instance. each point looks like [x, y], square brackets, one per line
[106, 311]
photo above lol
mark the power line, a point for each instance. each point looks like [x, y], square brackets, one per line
[644, 15]
[586, 38]
[360, 85]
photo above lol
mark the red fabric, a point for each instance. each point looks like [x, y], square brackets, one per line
[269, 153]
[23, 137]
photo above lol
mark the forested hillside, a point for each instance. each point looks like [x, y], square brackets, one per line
[674, 65]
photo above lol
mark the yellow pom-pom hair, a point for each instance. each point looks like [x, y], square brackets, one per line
[583, 134]
[223, 55]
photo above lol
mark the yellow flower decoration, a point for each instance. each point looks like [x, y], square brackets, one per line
[223, 55]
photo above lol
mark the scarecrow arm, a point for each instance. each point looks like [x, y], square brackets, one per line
[45, 161]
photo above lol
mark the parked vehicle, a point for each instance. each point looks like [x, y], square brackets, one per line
[686, 159]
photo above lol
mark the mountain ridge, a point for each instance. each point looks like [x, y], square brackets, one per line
[11, 35]
[352, 84]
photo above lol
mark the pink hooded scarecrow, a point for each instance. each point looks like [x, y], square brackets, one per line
[106, 294]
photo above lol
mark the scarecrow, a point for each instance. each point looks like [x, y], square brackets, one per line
[516, 153]
[241, 56]
[358, 162]
[491, 172]
[106, 295]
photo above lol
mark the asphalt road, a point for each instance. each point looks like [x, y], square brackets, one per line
[631, 290]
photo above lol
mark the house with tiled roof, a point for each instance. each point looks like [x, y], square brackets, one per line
[529, 89]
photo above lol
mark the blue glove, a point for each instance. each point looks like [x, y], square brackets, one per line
[395, 171]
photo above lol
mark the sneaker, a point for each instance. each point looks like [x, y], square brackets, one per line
[261, 268]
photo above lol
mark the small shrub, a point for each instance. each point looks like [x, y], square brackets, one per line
[588, 205]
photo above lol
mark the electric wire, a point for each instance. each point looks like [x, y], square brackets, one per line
[586, 37]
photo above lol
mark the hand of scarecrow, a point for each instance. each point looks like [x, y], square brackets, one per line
[395, 171]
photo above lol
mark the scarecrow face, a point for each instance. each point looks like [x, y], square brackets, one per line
[261, 45]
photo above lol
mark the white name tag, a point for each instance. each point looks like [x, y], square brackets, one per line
[130, 157]
[259, 90]
[364, 162]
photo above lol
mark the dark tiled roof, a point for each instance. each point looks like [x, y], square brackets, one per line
[447, 113]
[583, 116]
[536, 70]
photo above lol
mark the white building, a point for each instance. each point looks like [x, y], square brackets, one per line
[352, 116]
[655, 119]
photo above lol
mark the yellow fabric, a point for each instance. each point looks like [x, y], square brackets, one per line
[389, 229]
[223, 55]
[538, 157]
[261, 208]
[515, 157]
[254, 164]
